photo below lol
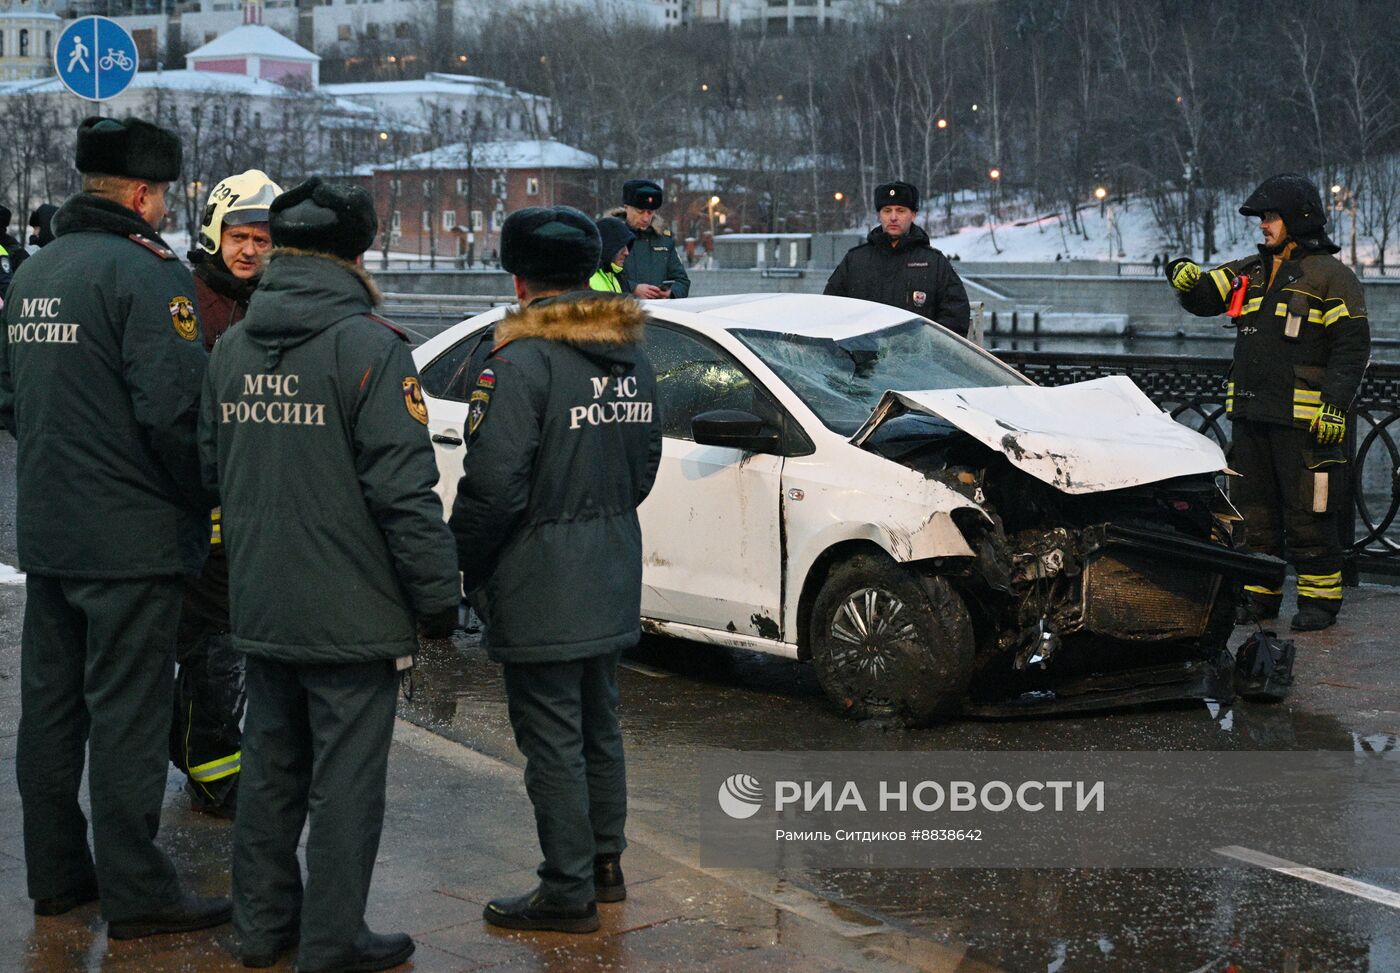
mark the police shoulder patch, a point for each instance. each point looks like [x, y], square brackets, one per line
[476, 409]
[182, 317]
[164, 253]
[413, 399]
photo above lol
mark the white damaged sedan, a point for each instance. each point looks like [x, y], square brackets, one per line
[847, 484]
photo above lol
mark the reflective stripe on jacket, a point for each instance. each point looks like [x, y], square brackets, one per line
[1275, 377]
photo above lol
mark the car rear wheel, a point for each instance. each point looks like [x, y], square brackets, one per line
[889, 643]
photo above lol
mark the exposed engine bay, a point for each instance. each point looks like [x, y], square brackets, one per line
[1070, 593]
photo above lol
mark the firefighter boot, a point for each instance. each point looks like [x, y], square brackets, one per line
[1312, 618]
[1258, 605]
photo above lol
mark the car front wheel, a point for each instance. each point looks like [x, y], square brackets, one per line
[889, 643]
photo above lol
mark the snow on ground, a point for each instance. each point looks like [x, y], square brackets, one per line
[9, 575]
[1135, 237]
[1125, 231]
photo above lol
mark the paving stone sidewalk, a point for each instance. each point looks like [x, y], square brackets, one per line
[458, 831]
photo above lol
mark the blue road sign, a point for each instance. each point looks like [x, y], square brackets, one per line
[95, 58]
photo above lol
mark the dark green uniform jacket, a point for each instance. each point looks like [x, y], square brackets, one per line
[910, 274]
[654, 259]
[101, 366]
[314, 426]
[564, 447]
[1279, 379]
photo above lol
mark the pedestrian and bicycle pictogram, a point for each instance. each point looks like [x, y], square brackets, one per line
[96, 58]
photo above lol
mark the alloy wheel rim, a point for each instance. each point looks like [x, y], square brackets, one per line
[866, 625]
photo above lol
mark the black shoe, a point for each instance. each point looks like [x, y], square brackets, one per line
[608, 883]
[1310, 618]
[379, 953]
[532, 911]
[223, 807]
[190, 913]
[257, 959]
[59, 904]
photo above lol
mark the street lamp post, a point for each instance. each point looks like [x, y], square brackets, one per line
[947, 177]
[995, 175]
[1345, 201]
[388, 228]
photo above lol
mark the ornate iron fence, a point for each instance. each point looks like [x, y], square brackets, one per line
[1192, 390]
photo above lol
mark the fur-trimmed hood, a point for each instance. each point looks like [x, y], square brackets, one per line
[658, 225]
[605, 328]
[576, 318]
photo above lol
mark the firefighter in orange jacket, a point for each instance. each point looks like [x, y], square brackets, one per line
[1302, 342]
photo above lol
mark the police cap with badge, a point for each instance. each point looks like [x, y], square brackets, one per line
[896, 194]
[642, 194]
[128, 147]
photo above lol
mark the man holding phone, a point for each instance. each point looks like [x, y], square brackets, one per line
[653, 267]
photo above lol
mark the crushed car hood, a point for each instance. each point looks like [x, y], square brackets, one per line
[1084, 438]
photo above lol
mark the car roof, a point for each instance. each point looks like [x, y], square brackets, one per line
[808, 315]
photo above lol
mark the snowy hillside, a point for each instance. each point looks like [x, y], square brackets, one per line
[1125, 233]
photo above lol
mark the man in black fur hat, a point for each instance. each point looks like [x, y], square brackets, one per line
[100, 374]
[564, 445]
[897, 265]
[315, 429]
[1302, 341]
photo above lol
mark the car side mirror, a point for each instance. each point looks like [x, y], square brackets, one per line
[737, 430]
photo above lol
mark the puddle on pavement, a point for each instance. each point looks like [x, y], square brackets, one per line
[1019, 920]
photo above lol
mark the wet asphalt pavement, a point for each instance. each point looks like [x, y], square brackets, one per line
[682, 699]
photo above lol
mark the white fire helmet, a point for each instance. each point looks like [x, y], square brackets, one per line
[237, 201]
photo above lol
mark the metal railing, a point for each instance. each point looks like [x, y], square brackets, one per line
[425, 315]
[1192, 391]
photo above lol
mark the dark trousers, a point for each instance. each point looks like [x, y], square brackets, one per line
[97, 665]
[205, 737]
[565, 720]
[1274, 493]
[315, 744]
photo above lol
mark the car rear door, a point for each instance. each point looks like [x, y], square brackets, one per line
[711, 532]
[447, 387]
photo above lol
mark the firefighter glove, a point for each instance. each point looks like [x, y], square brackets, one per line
[1184, 274]
[1330, 426]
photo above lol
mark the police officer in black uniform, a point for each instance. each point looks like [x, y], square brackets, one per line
[897, 265]
[1302, 340]
[315, 429]
[564, 444]
[100, 372]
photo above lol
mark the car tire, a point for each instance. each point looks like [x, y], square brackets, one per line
[888, 643]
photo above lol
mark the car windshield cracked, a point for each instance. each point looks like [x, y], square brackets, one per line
[842, 380]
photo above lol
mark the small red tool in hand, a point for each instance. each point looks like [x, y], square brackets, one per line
[1237, 288]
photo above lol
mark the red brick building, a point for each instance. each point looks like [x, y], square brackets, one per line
[450, 202]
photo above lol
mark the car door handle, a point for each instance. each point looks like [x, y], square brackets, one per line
[446, 440]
